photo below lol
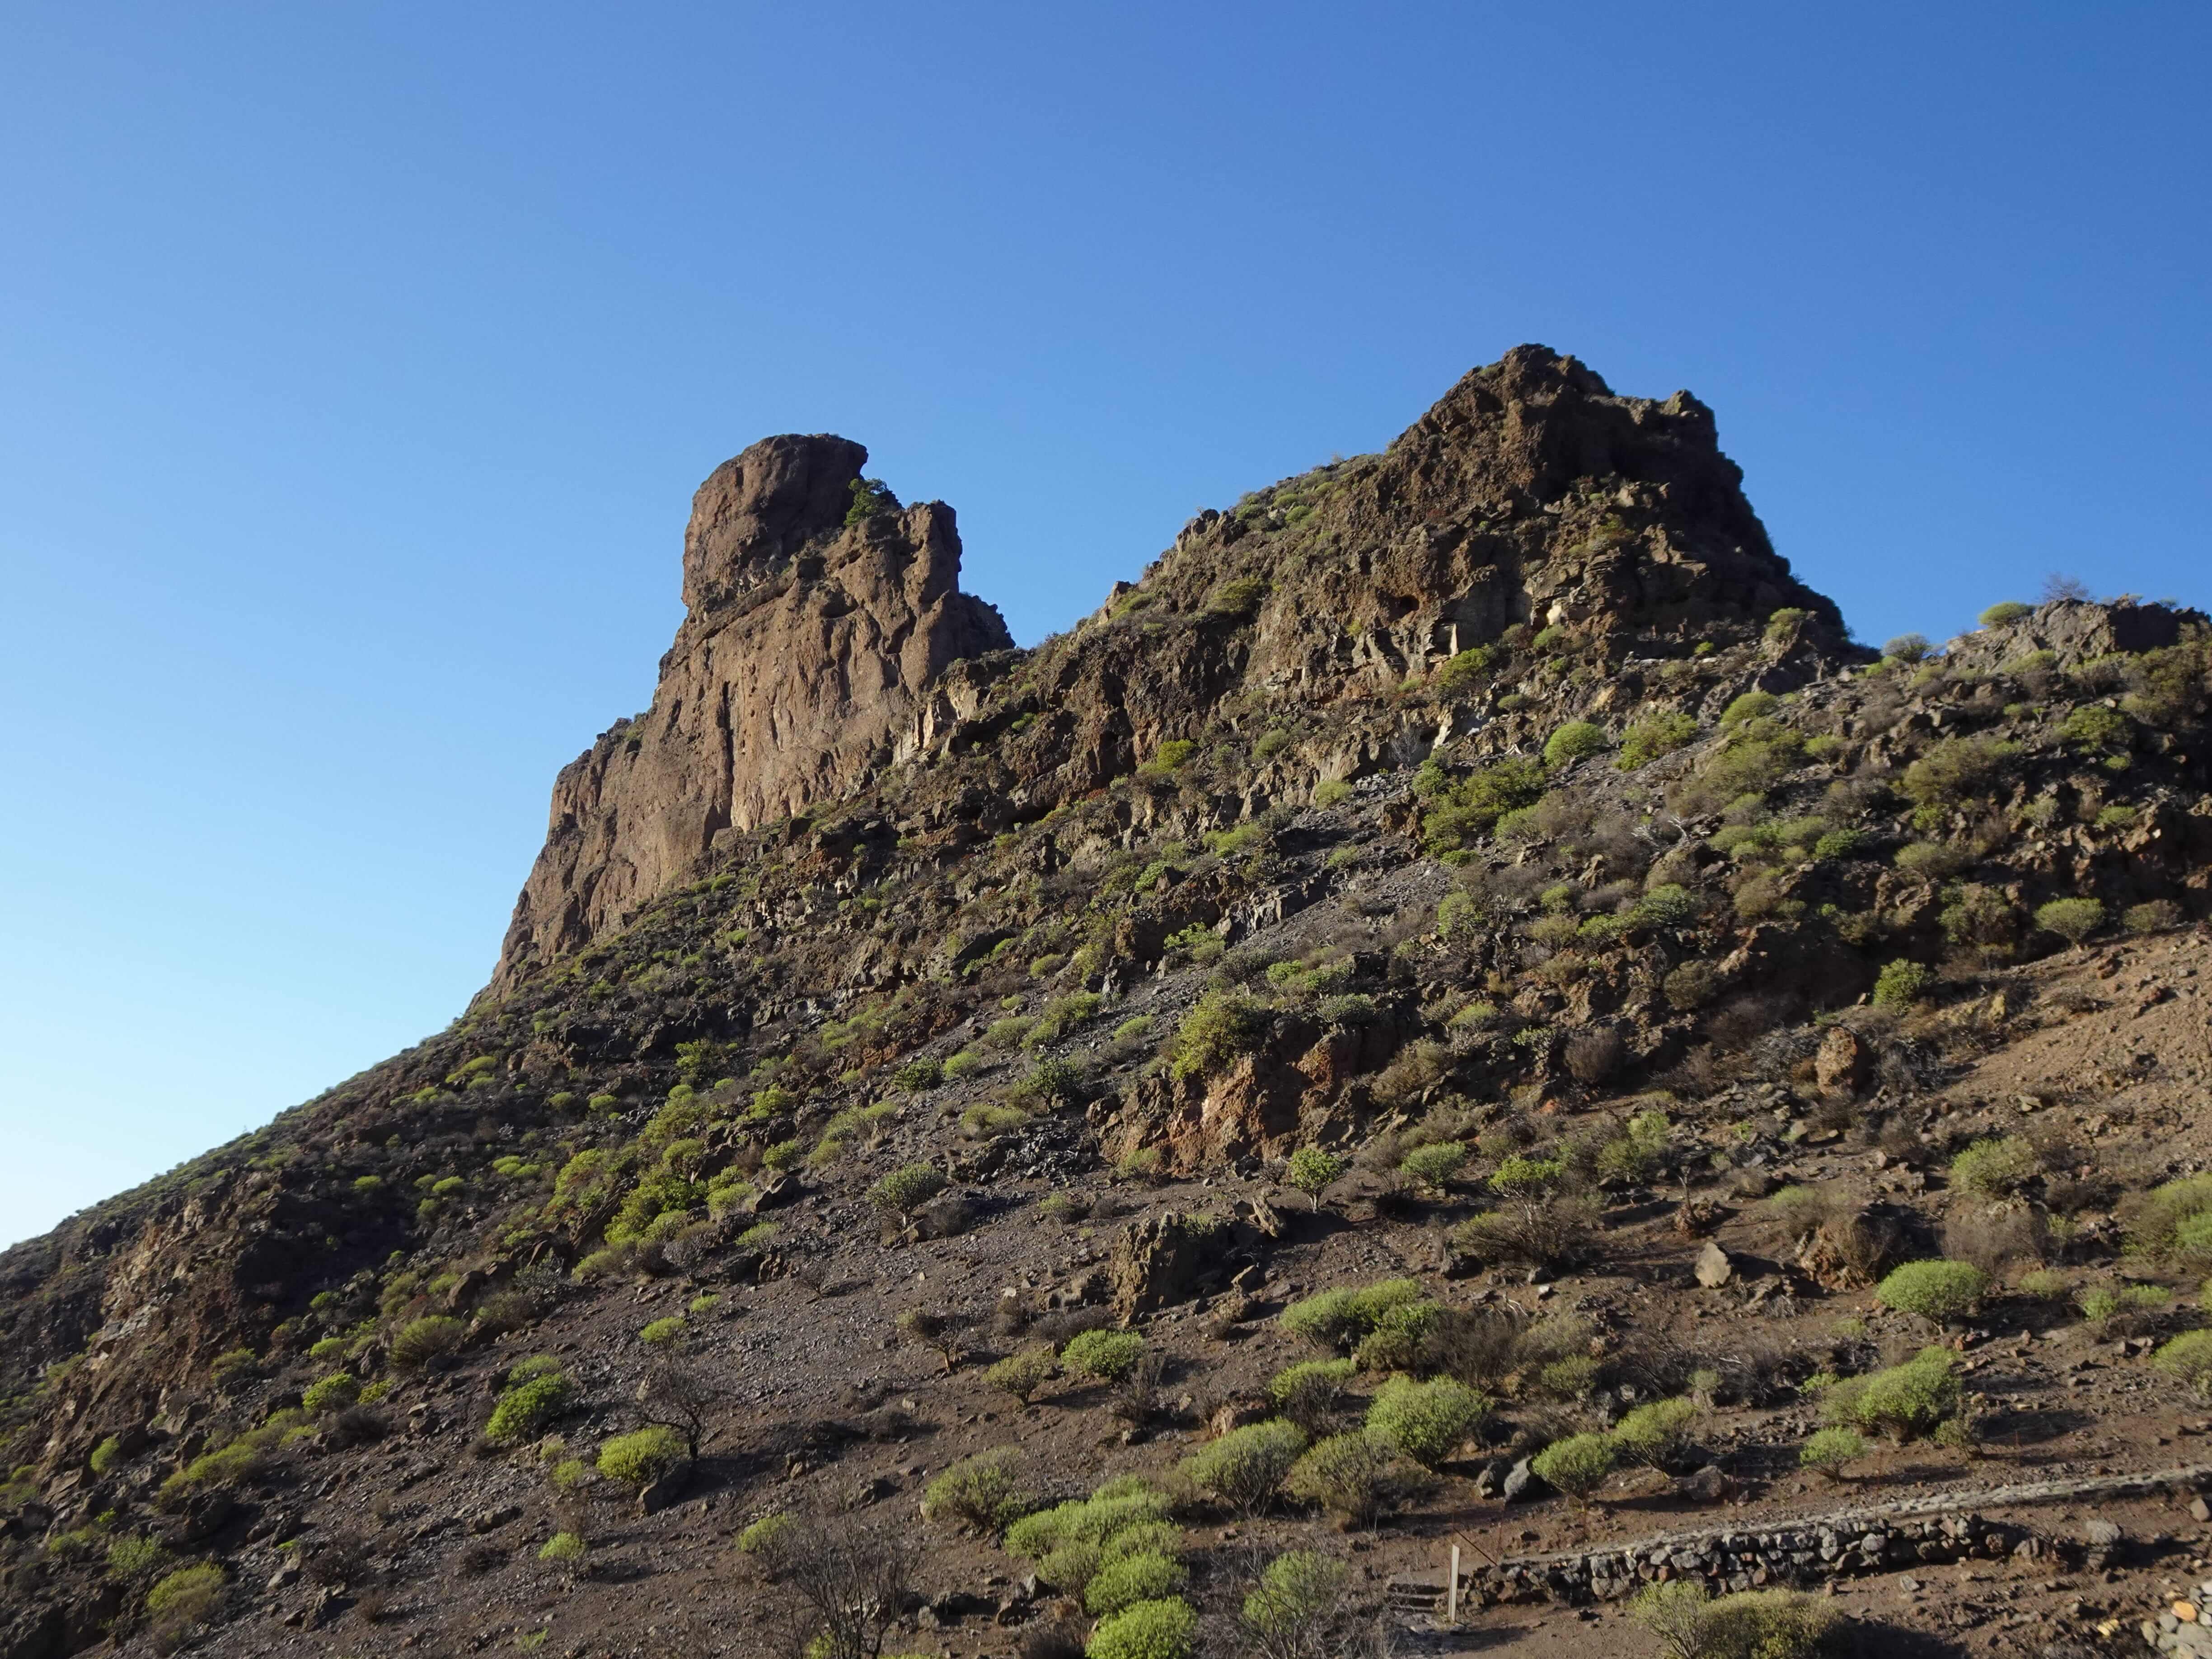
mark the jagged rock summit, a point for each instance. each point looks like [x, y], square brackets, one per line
[812, 625]
[819, 636]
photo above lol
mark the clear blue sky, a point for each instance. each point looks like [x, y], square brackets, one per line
[357, 363]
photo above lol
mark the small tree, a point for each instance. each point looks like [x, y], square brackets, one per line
[2072, 919]
[940, 1331]
[1312, 1170]
[678, 1396]
[853, 1580]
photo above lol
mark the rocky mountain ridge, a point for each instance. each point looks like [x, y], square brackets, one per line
[1481, 865]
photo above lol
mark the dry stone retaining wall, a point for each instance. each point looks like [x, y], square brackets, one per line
[1841, 1544]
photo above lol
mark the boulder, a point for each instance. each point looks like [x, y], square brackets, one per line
[1163, 1260]
[1842, 1062]
[1715, 1266]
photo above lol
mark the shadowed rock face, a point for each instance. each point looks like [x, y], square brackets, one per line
[804, 646]
[813, 652]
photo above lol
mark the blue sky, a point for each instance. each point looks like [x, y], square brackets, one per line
[357, 363]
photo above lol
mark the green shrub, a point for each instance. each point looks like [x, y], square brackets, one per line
[2072, 919]
[1170, 757]
[1435, 1164]
[1465, 670]
[1663, 734]
[870, 497]
[1121, 1507]
[1109, 1356]
[907, 1188]
[2174, 1219]
[984, 1492]
[1246, 1467]
[1225, 1025]
[661, 1332]
[2004, 612]
[1354, 1477]
[562, 1547]
[1141, 1577]
[1331, 791]
[333, 1394]
[1957, 769]
[425, 1339]
[1751, 1625]
[1905, 1401]
[1023, 1374]
[2187, 1359]
[1827, 1450]
[1311, 1171]
[917, 1075]
[767, 1537]
[1291, 1611]
[2154, 917]
[107, 1454]
[1574, 741]
[1400, 1338]
[1426, 1421]
[1939, 1292]
[1656, 1435]
[1750, 706]
[136, 1558]
[1148, 1630]
[529, 1408]
[187, 1595]
[2097, 730]
[1308, 1391]
[1996, 1168]
[641, 1456]
[1901, 983]
[1460, 811]
[1338, 1319]
[1575, 1465]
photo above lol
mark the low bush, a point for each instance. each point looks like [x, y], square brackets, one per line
[984, 1492]
[1574, 741]
[425, 1340]
[767, 1537]
[1827, 1450]
[564, 1547]
[1435, 1164]
[1354, 1477]
[1224, 1024]
[1646, 741]
[1938, 1291]
[1901, 983]
[1751, 1625]
[1149, 1630]
[1905, 1401]
[2187, 1359]
[1145, 1576]
[1400, 1338]
[1996, 1168]
[1426, 1421]
[333, 1394]
[1246, 1467]
[529, 1408]
[187, 1595]
[2173, 1220]
[1109, 1356]
[1658, 1434]
[660, 1333]
[1575, 1465]
[1307, 1392]
[906, 1190]
[641, 1456]
[1338, 1319]
[1023, 1374]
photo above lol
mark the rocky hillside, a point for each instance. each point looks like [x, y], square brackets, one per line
[1460, 1009]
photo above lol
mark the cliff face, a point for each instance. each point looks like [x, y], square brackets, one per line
[814, 652]
[804, 648]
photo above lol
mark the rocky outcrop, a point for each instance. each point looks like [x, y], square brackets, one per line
[806, 647]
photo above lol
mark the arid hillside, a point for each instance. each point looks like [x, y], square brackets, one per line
[1461, 1011]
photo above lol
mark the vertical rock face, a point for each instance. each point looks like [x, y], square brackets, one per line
[804, 648]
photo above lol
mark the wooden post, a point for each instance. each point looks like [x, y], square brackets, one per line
[1451, 1590]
